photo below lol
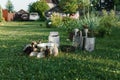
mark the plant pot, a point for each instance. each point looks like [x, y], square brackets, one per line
[54, 38]
[85, 32]
[89, 44]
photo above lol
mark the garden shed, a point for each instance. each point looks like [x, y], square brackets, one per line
[21, 15]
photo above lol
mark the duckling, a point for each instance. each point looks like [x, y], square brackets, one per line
[47, 51]
[33, 54]
[40, 54]
[55, 50]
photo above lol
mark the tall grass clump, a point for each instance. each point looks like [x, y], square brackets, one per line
[92, 21]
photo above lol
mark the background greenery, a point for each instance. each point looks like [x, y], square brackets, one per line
[70, 6]
[101, 64]
[9, 6]
[39, 6]
[1, 14]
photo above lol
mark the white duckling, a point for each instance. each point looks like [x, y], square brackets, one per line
[55, 50]
[33, 54]
[40, 54]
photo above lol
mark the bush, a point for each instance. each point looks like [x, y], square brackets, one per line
[1, 18]
[56, 20]
[108, 20]
[68, 6]
[69, 24]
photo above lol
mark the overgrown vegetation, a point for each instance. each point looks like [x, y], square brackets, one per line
[101, 64]
[100, 25]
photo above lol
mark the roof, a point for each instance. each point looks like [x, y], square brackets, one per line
[52, 1]
[22, 12]
[54, 9]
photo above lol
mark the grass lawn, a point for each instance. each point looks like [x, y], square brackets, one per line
[101, 64]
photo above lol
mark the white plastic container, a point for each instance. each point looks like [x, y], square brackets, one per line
[54, 38]
[43, 45]
[89, 44]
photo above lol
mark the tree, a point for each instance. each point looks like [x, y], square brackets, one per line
[68, 6]
[39, 6]
[1, 18]
[84, 5]
[9, 6]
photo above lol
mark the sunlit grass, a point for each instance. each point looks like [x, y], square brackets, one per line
[101, 64]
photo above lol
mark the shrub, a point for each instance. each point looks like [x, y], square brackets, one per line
[56, 20]
[108, 20]
[1, 18]
[69, 24]
[68, 6]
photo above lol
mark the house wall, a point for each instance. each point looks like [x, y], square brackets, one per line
[18, 16]
[51, 5]
[49, 1]
[52, 1]
[10, 17]
[7, 16]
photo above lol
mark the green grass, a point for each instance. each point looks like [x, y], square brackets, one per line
[101, 64]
